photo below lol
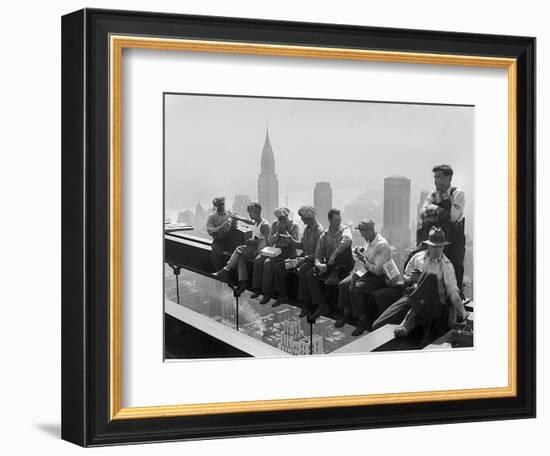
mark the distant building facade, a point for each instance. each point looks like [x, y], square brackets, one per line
[397, 211]
[322, 201]
[192, 297]
[240, 204]
[186, 217]
[355, 212]
[268, 184]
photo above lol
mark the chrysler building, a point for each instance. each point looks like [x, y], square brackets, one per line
[268, 184]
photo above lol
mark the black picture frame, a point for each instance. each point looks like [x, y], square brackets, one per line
[86, 387]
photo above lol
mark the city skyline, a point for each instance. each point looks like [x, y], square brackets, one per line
[370, 160]
[351, 145]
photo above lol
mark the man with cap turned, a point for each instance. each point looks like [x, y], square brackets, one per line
[312, 233]
[284, 234]
[218, 226]
[369, 277]
[431, 299]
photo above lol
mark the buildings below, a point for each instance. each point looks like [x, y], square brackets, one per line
[295, 342]
[322, 201]
[279, 327]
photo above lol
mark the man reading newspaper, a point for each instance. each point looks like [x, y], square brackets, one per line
[369, 277]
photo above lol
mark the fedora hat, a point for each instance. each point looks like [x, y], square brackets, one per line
[436, 237]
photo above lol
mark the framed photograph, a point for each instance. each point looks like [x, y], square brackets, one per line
[277, 227]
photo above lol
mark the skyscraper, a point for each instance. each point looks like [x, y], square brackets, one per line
[423, 196]
[200, 215]
[240, 203]
[268, 184]
[322, 201]
[397, 211]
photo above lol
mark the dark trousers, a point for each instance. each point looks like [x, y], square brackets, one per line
[423, 301]
[217, 254]
[280, 275]
[312, 288]
[456, 250]
[263, 273]
[355, 293]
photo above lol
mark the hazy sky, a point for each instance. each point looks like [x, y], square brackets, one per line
[213, 146]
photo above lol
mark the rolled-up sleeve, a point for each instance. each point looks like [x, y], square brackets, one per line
[383, 255]
[347, 238]
[457, 209]
[449, 278]
[295, 232]
[320, 249]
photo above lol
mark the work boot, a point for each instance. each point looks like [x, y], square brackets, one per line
[342, 320]
[241, 288]
[222, 274]
[280, 300]
[332, 279]
[362, 326]
[255, 294]
[304, 313]
[406, 326]
[321, 309]
[265, 299]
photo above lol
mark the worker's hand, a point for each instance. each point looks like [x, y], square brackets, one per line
[322, 268]
[415, 275]
[432, 209]
[462, 318]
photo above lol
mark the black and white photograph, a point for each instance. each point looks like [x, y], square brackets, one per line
[300, 227]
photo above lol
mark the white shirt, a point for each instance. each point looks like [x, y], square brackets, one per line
[257, 233]
[441, 267]
[377, 252]
[457, 198]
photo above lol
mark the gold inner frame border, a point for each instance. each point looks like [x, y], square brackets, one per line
[116, 46]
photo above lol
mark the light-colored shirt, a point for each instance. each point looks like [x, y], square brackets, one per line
[377, 252]
[457, 198]
[311, 236]
[331, 240]
[257, 232]
[215, 225]
[441, 267]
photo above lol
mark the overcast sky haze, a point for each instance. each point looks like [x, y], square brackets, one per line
[213, 146]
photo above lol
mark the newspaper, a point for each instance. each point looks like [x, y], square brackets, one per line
[391, 270]
[271, 252]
